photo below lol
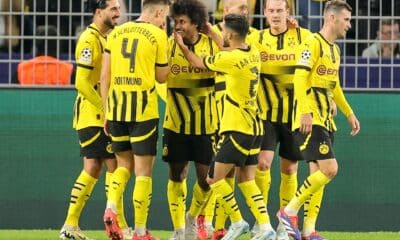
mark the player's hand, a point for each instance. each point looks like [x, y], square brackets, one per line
[207, 29]
[292, 22]
[334, 108]
[105, 128]
[178, 39]
[354, 124]
[306, 123]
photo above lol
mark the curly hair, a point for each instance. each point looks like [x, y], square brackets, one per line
[195, 10]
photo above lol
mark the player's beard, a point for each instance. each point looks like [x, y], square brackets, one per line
[109, 23]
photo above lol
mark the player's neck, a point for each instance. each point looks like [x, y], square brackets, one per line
[328, 34]
[191, 40]
[278, 30]
[238, 45]
[145, 18]
[103, 29]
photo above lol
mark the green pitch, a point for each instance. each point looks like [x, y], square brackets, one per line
[164, 235]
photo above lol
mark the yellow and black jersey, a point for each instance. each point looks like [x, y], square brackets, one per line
[88, 106]
[278, 63]
[240, 68]
[135, 48]
[219, 79]
[316, 82]
[191, 107]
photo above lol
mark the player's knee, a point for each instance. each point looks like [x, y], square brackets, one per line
[330, 172]
[93, 170]
[289, 167]
[263, 164]
[265, 160]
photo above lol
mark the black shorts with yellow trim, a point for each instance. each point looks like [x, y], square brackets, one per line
[179, 148]
[317, 145]
[140, 137]
[238, 148]
[95, 143]
[281, 133]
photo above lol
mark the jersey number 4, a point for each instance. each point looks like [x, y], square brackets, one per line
[132, 54]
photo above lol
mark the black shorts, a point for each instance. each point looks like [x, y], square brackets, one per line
[280, 133]
[238, 148]
[181, 148]
[318, 145]
[95, 143]
[140, 137]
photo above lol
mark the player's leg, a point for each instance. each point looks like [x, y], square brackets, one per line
[111, 164]
[201, 195]
[143, 138]
[265, 157]
[176, 154]
[206, 217]
[316, 145]
[80, 193]
[220, 215]
[227, 201]
[120, 177]
[287, 190]
[311, 209]
[252, 193]
[93, 143]
[290, 155]
[176, 193]
[235, 149]
[202, 153]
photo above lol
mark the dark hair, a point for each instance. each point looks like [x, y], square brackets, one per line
[92, 5]
[286, 2]
[388, 22]
[46, 30]
[156, 2]
[238, 24]
[195, 10]
[337, 6]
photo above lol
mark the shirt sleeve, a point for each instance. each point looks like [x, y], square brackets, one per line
[162, 50]
[85, 65]
[341, 101]
[301, 85]
[220, 62]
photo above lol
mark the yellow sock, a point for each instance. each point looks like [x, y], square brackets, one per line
[231, 182]
[287, 188]
[220, 215]
[227, 200]
[107, 182]
[311, 211]
[117, 186]
[120, 205]
[255, 201]
[199, 199]
[141, 200]
[312, 184]
[177, 202]
[80, 193]
[210, 208]
[263, 181]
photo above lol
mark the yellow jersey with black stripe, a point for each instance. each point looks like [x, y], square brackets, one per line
[240, 68]
[219, 79]
[135, 48]
[191, 107]
[278, 63]
[88, 109]
[316, 82]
